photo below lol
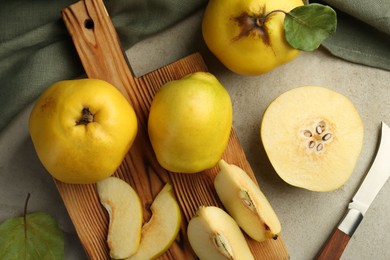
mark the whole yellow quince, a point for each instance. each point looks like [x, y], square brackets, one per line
[82, 129]
[190, 121]
[247, 36]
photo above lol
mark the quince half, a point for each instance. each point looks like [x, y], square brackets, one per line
[313, 137]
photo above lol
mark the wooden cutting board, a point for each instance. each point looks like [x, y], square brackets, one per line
[98, 47]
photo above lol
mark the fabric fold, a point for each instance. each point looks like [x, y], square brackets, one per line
[363, 32]
[36, 49]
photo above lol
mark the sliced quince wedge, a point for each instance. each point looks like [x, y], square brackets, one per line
[160, 232]
[246, 203]
[213, 234]
[313, 137]
[125, 211]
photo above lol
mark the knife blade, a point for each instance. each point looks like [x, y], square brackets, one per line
[373, 182]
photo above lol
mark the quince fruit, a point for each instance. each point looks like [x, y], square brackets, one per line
[82, 129]
[247, 36]
[190, 121]
[313, 137]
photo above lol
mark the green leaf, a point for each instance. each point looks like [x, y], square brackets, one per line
[307, 26]
[33, 236]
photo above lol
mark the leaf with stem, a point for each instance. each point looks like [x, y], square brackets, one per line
[32, 236]
[307, 26]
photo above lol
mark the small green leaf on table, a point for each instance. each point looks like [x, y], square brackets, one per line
[32, 236]
[307, 26]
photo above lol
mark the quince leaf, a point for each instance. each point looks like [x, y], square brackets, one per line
[32, 236]
[307, 26]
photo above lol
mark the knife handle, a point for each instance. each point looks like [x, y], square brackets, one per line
[335, 246]
[337, 242]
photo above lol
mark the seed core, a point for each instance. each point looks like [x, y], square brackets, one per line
[316, 135]
[223, 246]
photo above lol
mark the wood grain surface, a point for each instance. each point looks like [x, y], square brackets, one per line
[334, 247]
[96, 41]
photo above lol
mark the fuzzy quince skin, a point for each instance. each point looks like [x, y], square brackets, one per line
[190, 121]
[160, 231]
[82, 129]
[238, 34]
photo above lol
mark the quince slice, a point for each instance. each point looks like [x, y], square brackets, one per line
[213, 234]
[125, 211]
[313, 137]
[159, 233]
[245, 202]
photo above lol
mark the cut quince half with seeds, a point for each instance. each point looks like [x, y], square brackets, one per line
[313, 137]
[246, 203]
[213, 234]
[125, 212]
[160, 232]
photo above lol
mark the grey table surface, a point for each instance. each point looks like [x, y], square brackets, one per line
[307, 218]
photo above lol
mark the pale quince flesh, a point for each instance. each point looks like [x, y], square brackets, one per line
[213, 234]
[246, 203]
[313, 137]
[161, 230]
[125, 216]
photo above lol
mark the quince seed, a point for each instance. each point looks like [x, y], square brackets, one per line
[246, 199]
[223, 246]
[307, 133]
[326, 137]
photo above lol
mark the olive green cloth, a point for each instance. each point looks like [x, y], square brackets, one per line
[363, 32]
[36, 49]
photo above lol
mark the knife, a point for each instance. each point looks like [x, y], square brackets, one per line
[372, 184]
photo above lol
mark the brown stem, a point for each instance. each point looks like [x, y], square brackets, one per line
[86, 117]
[261, 20]
[25, 215]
